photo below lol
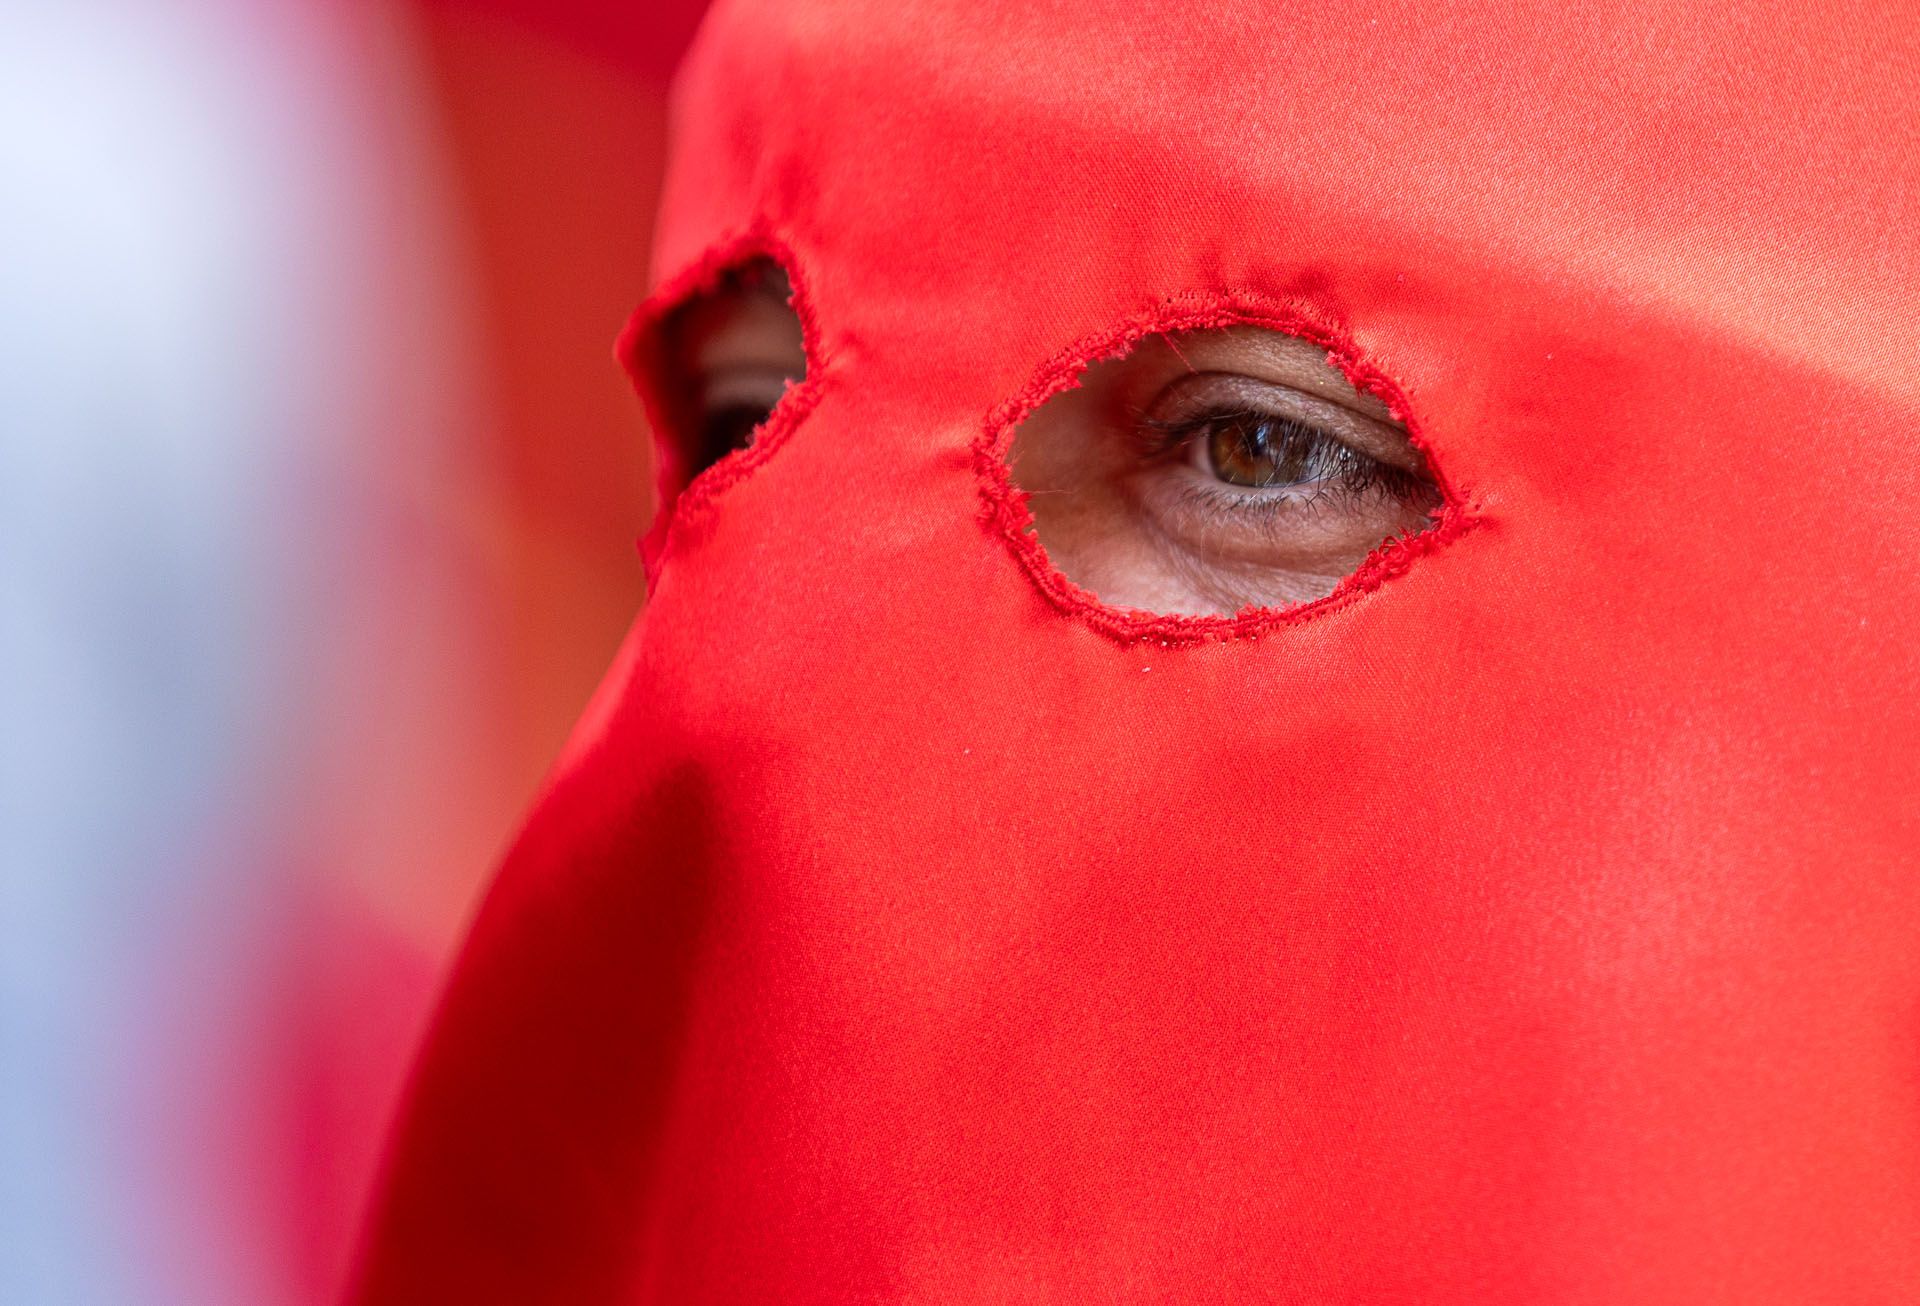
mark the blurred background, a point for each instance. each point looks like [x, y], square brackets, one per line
[318, 498]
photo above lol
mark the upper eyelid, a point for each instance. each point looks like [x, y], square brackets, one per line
[742, 372]
[1370, 437]
[735, 386]
[1286, 359]
[1248, 383]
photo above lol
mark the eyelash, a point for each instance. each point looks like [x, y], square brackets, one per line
[1340, 472]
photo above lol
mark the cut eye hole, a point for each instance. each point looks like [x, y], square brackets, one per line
[729, 356]
[1207, 472]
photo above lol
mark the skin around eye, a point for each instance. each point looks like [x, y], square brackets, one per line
[1219, 471]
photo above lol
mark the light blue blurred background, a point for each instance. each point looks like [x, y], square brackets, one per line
[317, 492]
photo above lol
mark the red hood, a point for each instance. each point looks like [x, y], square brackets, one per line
[1534, 923]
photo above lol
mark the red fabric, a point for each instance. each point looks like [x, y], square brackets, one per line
[1535, 924]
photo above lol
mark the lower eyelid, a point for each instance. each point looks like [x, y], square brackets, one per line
[1223, 499]
[1191, 490]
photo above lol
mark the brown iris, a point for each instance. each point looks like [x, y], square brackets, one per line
[1257, 450]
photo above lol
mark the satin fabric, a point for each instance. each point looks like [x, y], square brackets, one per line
[1535, 921]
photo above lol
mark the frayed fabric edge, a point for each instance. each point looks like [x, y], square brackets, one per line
[1006, 512]
[682, 499]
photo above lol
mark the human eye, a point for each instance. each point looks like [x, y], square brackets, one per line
[1280, 457]
[732, 354]
[1256, 450]
[1219, 471]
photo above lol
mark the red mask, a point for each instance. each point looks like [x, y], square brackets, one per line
[1532, 919]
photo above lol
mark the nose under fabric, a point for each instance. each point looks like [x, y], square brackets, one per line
[1535, 924]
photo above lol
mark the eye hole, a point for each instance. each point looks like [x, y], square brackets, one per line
[730, 355]
[1212, 471]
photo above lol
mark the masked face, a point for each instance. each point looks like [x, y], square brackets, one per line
[1280, 668]
[1205, 472]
